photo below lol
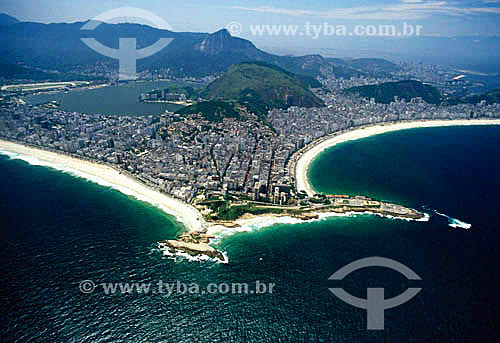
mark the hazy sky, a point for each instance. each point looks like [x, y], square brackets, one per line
[446, 18]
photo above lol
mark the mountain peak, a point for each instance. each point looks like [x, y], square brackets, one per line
[222, 41]
[222, 32]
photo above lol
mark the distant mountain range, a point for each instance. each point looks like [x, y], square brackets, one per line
[376, 67]
[7, 20]
[408, 89]
[36, 46]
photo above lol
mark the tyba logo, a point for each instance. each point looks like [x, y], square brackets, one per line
[375, 303]
[127, 54]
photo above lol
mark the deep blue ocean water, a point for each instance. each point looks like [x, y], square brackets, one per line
[57, 230]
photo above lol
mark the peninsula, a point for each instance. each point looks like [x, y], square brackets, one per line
[195, 240]
[240, 153]
[206, 216]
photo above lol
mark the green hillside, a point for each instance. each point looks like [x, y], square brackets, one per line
[214, 111]
[491, 97]
[385, 92]
[260, 87]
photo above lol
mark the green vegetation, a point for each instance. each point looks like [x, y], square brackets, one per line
[260, 87]
[189, 54]
[188, 91]
[490, 98]
[253, 87]
[225, 211]
[13, 71]
[319, 201]
[371, 67]
[234, 212]
[374, 66]
[214, 111]
[385, 92]
[301, 195]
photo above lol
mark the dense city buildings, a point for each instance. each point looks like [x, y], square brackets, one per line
[190, 157]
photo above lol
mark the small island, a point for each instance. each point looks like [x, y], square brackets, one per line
[194, 243]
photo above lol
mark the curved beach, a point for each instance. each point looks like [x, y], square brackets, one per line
[107, 176]
[314, 149]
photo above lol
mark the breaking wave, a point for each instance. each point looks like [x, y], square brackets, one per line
[258, 223]
[34, 161]
[177, 255]
[454, 222]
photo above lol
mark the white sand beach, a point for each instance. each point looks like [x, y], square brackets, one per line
[304, 162]
[109, 177]
[188, 215]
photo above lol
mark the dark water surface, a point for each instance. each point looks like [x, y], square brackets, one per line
[57, 230]
[122, 99]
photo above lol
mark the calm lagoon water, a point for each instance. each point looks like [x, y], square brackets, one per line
[122, 99]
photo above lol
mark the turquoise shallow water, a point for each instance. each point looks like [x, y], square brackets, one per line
[57, 230]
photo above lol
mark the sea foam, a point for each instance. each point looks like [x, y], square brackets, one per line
[454, 222]
[219, 231]
[124, 190]
[258, 223]
[177, 255]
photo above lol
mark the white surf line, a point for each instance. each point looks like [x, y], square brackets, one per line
[107, 176]
[304, 162]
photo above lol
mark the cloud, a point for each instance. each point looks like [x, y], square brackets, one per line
[406, 9]
[273, 10]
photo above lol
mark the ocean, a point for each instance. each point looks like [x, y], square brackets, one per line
[57, 230]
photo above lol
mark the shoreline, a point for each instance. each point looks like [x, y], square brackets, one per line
[308, 154]
[107, 176]
[112, 176]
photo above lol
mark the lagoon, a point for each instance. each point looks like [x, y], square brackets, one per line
[121, 99]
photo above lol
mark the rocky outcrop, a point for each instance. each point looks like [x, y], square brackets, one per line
[222, 41]
[194, 243]
[307, 216]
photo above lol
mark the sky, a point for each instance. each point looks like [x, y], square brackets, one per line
[445, 18]
[438, 18]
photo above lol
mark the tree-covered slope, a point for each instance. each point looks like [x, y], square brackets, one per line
[385, 92]
[262, 87]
